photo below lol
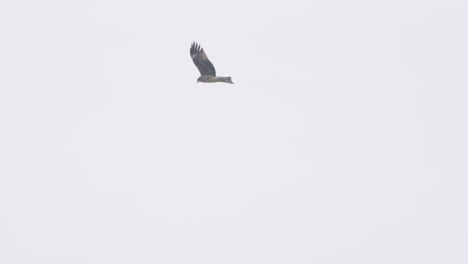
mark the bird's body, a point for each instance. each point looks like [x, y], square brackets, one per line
[209, 78]
[204, 65]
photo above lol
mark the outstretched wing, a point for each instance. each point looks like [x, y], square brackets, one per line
[200, 59]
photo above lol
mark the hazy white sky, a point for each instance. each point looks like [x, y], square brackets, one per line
[343, 140]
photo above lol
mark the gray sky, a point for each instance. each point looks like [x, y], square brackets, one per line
[343, 140]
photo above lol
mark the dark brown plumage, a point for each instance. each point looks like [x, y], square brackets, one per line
[204, 65]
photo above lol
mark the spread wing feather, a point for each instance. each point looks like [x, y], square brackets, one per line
[200, 59]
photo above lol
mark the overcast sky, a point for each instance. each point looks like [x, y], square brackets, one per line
[343, 140]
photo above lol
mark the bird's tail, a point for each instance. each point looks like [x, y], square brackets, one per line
[226, 80]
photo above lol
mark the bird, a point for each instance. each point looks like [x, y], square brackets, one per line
[204, 65]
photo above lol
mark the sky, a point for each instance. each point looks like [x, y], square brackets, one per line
[343, 139]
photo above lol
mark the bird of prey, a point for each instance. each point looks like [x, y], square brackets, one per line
[204, 65]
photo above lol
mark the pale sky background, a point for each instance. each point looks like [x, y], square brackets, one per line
[343, 140]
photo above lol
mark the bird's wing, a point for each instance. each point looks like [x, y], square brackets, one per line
[200, 59]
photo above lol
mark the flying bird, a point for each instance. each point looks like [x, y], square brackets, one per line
[204, 65]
